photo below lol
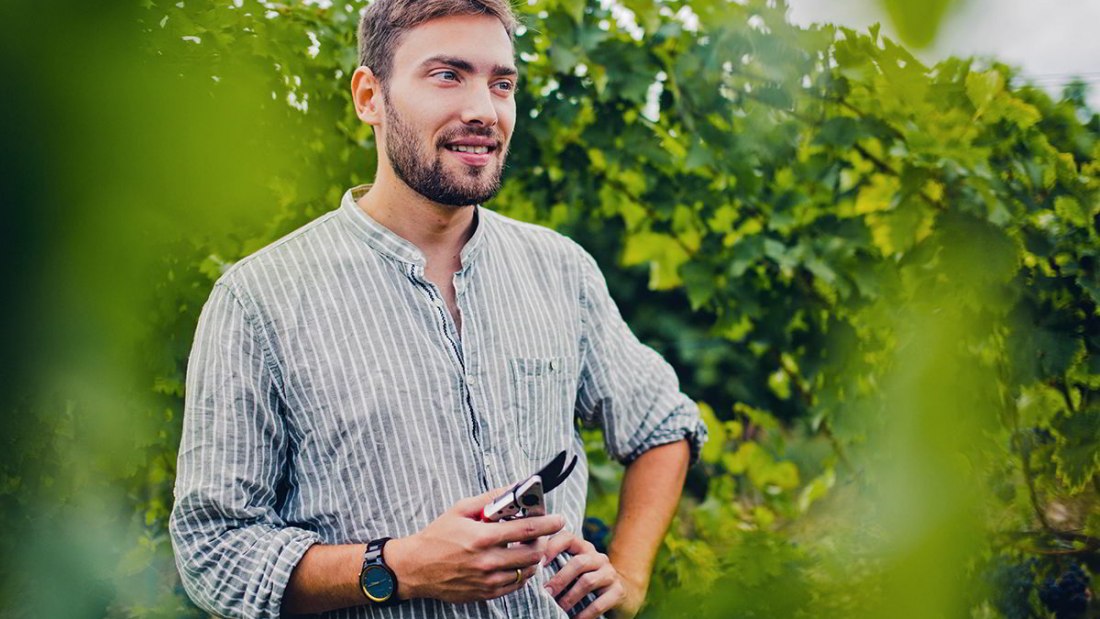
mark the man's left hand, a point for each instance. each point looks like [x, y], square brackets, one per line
[587, 572]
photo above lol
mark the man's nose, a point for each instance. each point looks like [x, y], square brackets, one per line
[479, 107]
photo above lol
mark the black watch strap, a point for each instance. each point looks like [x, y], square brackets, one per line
[377, 580]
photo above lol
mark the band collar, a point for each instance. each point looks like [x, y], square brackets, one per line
[389, 243]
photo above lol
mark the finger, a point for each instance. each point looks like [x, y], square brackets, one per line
[561, 542]
[521, 556]
[505, 582]
[596, 580]
[526, 538]
[506, 578]
[608, 599]
[528, 529]
[471, 507]
[576, 567]
[537, 546]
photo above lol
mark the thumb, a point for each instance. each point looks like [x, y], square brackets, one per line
[471, 507]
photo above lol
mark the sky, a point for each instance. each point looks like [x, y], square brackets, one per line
[1048, 40]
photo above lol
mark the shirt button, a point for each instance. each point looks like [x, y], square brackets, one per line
[471, 381]
[438, 303]
[553, 364]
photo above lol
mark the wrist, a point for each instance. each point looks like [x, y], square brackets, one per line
[638, 582]
[377, 580]
[635, 585]
[628, 570]
[399, 557]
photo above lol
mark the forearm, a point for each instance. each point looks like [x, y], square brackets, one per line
[326, 578]
[455, 559]
[231, 567]
[650, 492]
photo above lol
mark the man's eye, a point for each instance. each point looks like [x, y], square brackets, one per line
[447, 75]
[505, 86]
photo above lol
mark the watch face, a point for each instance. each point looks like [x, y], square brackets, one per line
[377, 583]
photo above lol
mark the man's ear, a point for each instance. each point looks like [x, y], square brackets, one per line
[366, 92]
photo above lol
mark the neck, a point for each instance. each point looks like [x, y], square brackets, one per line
[435, 229]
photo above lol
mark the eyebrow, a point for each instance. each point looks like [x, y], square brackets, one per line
[461, 64]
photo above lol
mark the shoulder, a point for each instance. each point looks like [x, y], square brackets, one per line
[285, 260]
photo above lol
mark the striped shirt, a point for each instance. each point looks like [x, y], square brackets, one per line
[331, 399]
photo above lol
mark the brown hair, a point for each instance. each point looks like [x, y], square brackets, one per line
[384, 21]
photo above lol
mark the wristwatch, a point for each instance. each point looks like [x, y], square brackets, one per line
[377, 580]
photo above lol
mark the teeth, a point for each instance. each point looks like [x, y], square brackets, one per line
[477, 150]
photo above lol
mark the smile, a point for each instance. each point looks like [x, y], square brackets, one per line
[476, 150]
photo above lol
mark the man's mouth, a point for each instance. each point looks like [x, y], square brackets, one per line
[474, 150]
[472, 144]
[463, 148]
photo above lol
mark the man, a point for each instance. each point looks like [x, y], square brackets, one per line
[360, 389]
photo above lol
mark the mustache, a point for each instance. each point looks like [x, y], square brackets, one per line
[466, 132]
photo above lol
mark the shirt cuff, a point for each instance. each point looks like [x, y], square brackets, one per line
[681, 425]
[288, 559]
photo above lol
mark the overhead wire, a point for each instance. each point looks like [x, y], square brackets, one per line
[1087, 77]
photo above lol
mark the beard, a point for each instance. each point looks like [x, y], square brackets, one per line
[424, 172]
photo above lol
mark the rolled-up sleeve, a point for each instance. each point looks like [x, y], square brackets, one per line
[626, 388]
[234, 552]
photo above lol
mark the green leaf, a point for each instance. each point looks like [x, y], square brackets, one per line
[663, 253]
[983, 88]
[816, 489]
[917, 22]
[775, 96]
[1071, 211]
[575, 9]
[1090, 283]
[616, 202]
[1078, 452]
[1056, 351]
[839, 132]
[1038, 405]
[698, 157]
[897, 231]
[564, 59]
[878, 195]
[745, 253]
[761, 468]
[699, 281]
[1017, 112]
[716, 443]
[780, 254]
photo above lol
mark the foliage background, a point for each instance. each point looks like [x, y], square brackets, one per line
[879, 278]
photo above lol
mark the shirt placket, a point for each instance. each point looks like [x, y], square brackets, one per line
[506, 606]
[468, 377]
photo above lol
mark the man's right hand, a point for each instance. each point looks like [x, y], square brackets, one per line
[458, 558]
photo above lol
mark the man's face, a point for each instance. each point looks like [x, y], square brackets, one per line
[450, 108]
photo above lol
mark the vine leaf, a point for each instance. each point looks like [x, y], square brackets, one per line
[664, 255]
[917, 22]
[1078, 453]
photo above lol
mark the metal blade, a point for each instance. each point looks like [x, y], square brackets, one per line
[552, 468]
[556, 472]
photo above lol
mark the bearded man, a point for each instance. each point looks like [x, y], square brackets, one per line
[359, 390]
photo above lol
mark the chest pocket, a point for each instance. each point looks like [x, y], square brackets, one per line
[544, 391]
